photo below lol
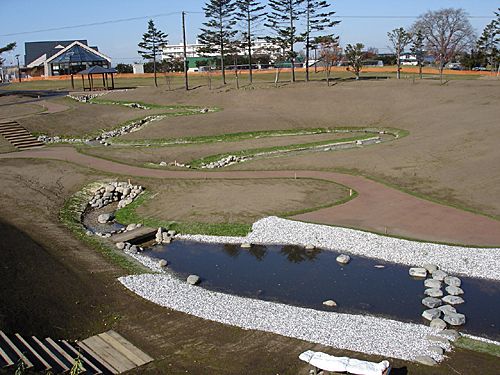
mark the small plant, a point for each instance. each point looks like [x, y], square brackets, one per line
[77, 366]
[21, 366]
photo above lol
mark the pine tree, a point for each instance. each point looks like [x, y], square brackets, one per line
[249, 13]
[282, 21]
[399, 39]
[488, 42]
[417, 49]
[152, 43]
[218, 32]
[316, 21]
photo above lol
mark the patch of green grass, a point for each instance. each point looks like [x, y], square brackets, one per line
[71, 216]
[478, 346]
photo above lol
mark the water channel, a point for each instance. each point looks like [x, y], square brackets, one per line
[306, 278]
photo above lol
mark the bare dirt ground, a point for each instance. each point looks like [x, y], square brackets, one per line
[244, 201]
[55, 284]
[19, 110]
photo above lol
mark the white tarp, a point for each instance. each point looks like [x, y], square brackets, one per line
[328, 362]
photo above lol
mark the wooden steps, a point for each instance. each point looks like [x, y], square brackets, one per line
[18, 136]
[106, 353]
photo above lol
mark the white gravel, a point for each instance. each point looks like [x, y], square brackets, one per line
[367, 334]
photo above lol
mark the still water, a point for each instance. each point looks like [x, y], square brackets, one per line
[307, 278]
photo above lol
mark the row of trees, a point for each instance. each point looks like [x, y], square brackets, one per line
[231, 26]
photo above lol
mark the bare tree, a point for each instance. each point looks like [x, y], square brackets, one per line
[330, 54]
[447, 32]
[353, 57]
[399, 39]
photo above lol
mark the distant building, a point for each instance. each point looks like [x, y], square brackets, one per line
[176, 51]
[51, 58]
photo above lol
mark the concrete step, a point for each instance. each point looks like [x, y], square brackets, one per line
[19, 136]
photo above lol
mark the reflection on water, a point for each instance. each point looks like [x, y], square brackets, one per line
[300, 277]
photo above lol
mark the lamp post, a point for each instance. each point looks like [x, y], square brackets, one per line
[18, 68]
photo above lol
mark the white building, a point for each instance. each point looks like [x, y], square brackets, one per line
[173, 51]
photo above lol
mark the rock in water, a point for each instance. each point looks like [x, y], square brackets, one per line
[453, 300]
[455, 319]
[418, 272]
[193, 279]
[330, 303]
[105, 218]
[431, 302]
[431, 314]
[343, 259]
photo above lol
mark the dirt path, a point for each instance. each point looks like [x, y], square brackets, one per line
[377, 207]
[50, 108]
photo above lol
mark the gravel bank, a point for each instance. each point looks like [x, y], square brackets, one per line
[367, 334]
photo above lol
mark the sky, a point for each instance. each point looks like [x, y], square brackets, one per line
[116, 26]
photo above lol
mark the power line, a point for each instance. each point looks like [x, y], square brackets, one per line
[179, 12]
[96, 23]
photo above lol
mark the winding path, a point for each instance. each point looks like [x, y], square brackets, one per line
[377, 206]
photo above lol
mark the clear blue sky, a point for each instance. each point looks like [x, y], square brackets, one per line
[118, 40]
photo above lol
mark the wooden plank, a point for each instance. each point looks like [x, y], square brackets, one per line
[109, 354]
[16, 350]
[93, 354]
[126, 348]
[52, 356]
[62, 353]
[33, 352]
[88, 364]
[6, 358]
[135, 235]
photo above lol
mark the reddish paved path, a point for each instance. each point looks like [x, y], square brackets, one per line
[376, 207]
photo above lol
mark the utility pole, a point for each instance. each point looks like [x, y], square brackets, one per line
[185, 50]
[18, 68]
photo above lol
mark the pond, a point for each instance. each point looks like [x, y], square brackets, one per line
[307, 278]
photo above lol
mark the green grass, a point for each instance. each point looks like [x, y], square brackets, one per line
[478, 346]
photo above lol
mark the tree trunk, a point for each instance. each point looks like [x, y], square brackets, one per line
[292, 57]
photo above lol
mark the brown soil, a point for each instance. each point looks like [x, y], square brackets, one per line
[19, 110]
[244, 201]
[55, 284]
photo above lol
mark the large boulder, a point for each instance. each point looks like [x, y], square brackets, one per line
[105, 218]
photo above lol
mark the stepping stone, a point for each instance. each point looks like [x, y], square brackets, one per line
[418, 272]
[437, 338]
[452, 281]
[439, 275]
[431, 314]
[451, 333]
[434, 292]
[453, 300]
[432, 283]
[438, 323]
[431, 302]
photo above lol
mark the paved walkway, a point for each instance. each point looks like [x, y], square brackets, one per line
[376, 207]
